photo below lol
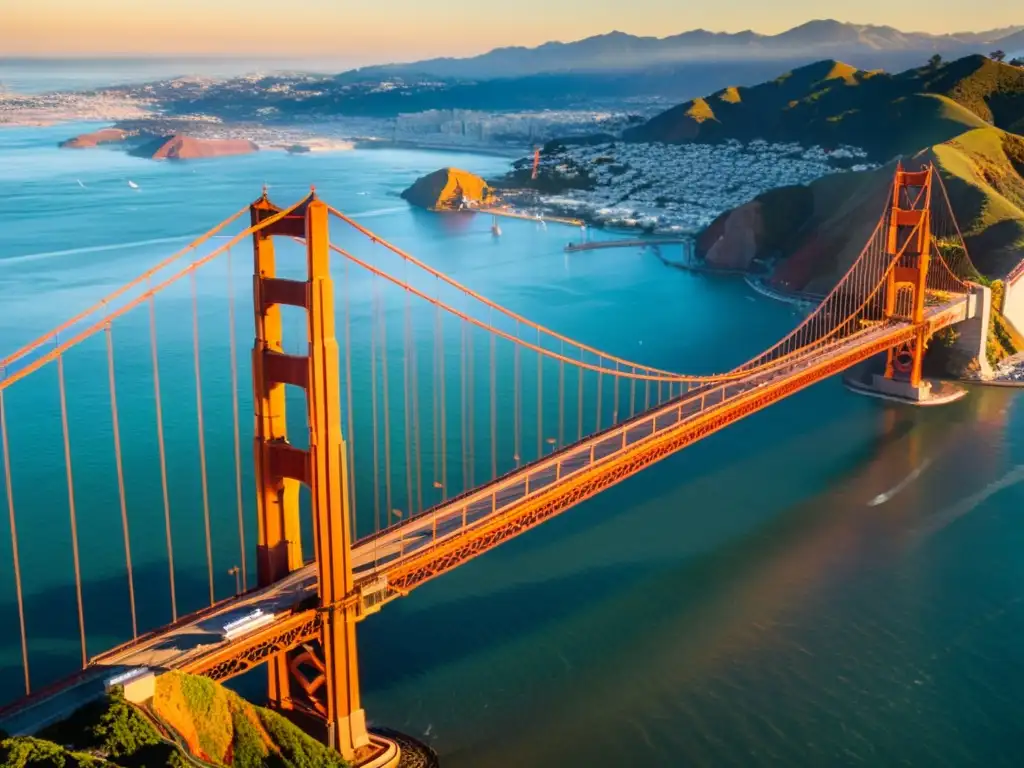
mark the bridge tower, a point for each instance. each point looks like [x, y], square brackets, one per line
[909, 233]
[318, 679]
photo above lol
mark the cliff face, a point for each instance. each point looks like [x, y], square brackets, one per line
[763, 228]
[446, 189]
[736, 239]
[179, 147]
[89, 140]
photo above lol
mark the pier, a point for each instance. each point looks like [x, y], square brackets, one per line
[530, 217]
[594, 245]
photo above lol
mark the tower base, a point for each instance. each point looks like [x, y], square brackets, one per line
[928, 392]
[383, 751]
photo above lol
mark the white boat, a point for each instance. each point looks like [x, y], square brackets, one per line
[132, 184]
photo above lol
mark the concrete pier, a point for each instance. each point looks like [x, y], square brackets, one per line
[928, 392]
[973, 331]
[1013, 297]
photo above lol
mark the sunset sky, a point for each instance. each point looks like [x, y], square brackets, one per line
[373, 31]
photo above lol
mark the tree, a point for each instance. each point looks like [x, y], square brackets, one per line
[997, 55]
[935, 61]
[1018, 62]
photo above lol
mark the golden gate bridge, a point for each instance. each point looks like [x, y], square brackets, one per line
[458, 426]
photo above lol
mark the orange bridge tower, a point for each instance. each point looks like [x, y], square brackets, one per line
[321, 679]
[909, 240]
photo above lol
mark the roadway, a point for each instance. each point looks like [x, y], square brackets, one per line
[196, 640]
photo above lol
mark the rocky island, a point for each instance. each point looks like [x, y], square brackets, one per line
[449, 189]
[176, 146]
[95, 139]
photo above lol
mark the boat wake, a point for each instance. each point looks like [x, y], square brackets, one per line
[952, 514]
[95, 249]
[882, 498]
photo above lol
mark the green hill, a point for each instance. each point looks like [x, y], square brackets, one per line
[828, 221]
[984, 174]
[191, 721]
[831, 103]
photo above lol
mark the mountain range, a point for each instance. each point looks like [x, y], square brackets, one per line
[861, 44]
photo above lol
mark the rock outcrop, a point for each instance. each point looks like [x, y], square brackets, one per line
[449, 189]
[181, 147]
[94, 139]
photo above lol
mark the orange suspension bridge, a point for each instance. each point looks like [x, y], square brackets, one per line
[378, 465]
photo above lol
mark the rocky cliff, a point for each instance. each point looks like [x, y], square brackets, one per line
[448, 189]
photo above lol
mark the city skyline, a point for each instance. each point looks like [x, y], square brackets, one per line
[360, 32]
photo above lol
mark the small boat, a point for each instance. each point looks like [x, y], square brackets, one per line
[132, 184]
[495, 229]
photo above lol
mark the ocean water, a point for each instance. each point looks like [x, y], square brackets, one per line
[833, 581]
[40, 75]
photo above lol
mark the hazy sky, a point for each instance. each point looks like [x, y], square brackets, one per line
[373, 31]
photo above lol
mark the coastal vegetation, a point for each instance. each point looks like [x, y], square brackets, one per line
[190, 721]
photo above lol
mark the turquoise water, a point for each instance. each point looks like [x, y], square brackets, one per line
[742, 603]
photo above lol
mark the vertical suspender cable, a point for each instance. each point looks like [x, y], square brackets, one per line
[202, 430]
[444, 420]
[540, 400]
[632, 394]
[351, 441]
[409, 500]
[561, 398]
[463, 398]
[120, 479]
[472, 405]
[163, 457]
[516, 395]
[494, 408]
[417, 429]
[16, 560]
[579, 398]
[600, 376]
[373, 411]
[615, 404]
[233, 351]
[387, 409]
[435, 408]
[71, 505]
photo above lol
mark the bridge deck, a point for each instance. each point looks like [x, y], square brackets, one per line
[195, 643]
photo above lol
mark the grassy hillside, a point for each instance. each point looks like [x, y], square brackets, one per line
[982, 169]
[222, 728]
[831, 103]
[191, 721]
[984, 173]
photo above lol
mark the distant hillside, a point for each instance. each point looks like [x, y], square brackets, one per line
[191, 721]
[832, 103]
[618, 51]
